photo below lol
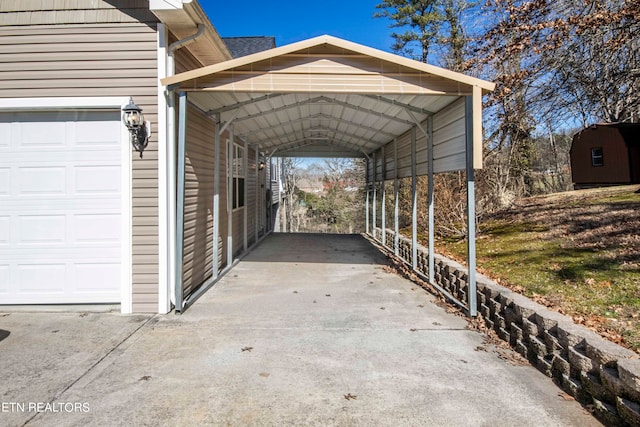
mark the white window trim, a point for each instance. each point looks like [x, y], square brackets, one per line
[166, 243]
[237, 146]
[98, 103]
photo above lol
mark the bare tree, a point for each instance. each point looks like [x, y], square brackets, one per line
[290, 169]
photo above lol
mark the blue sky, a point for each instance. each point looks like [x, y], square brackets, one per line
[292, 21]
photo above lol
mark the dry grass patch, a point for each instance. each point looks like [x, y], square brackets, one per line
[576, 252]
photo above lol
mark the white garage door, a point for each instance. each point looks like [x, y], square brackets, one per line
[60, 207]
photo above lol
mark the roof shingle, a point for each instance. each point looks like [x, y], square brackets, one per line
[243, 46]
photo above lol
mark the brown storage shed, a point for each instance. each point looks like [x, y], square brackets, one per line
[606, 154]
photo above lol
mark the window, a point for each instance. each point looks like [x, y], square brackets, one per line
[274, 170]
[597, 158]
[238, 176]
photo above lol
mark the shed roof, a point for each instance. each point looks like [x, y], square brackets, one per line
[324, 96]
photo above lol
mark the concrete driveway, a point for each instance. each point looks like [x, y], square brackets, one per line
[306, 330]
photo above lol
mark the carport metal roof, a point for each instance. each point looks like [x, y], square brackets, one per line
[327, 97]
[323, 97]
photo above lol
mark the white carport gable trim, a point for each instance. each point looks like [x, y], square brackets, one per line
[306, 47]
[334, 93]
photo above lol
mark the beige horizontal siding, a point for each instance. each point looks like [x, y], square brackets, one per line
[222, 175]
[105, 55]
[42, 55]
[84, 67]
[60, 12]
[69, 5]
[300, 83]
[198, 203]
[251, 201]
[238, 231]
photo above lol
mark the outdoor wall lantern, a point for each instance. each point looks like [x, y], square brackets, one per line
[139, 130]
[261, 165]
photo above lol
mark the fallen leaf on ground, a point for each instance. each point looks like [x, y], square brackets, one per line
[565, 396]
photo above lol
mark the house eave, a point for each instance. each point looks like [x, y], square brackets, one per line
[182, 18]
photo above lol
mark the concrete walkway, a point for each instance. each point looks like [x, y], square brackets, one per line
[307, 330]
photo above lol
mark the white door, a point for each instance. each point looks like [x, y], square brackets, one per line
[60, 207]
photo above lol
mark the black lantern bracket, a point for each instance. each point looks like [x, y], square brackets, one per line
[139, 129]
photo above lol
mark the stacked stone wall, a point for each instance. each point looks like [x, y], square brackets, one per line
[598, 373]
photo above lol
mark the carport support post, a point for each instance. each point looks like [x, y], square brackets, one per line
[258, 199]
[245, 190]
[230, 150]
[430, 200]
[396, 207]
[216, 196]
[375, 195]
[366, 210]
[182, 136]
[473, 118]
[383, 209]
[414, 203]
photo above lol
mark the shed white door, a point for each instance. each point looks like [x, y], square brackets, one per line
[60, 207]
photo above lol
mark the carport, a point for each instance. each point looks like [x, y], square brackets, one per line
[327, 97]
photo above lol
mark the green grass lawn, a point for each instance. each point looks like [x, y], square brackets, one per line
[577, 252]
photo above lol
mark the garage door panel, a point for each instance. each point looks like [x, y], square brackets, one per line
[5, 134]
[55, 158]
[5, 230]
[60, 207]
[5, 182]
[96, 134]
[42, 180]
[42, 278]
[103, 179]
[41, 229]
[96, 278]
[4, 279]
[39, 134]
[97, 228]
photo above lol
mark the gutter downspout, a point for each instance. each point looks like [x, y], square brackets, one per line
[171, 151]
[187, 40]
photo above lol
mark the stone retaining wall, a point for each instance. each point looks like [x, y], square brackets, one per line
[596, 372]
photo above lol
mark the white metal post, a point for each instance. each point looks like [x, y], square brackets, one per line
[245, 216]
[383, 209]
[414, 203]
[182, 142]
[216, 196]
[165, 290]
[375, 195]
[230, 149]
[430, 201]
[366, 210]
[396, 197]
[257, 202]
[473, 116]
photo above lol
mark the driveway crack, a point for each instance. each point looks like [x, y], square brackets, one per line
[93, 366]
